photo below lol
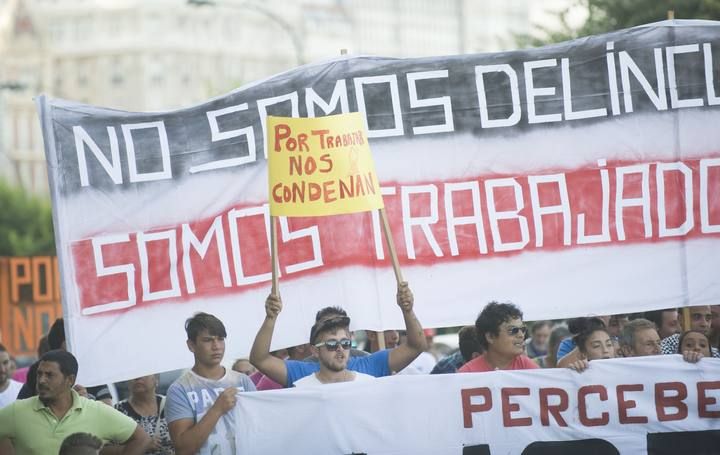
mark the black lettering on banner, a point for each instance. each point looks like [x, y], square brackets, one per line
[684, 442]
[583, 446]
[480, 449]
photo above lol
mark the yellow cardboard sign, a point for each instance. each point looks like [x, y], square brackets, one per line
[320, 166]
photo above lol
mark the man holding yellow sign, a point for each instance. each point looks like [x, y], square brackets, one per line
[323, 166]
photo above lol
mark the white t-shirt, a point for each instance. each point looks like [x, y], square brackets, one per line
[312, 380]
[423, 364]
[10, 394]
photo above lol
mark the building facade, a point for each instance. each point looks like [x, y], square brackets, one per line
[156, 55]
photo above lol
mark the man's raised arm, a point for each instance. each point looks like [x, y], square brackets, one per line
[260, 357]
[401, 356]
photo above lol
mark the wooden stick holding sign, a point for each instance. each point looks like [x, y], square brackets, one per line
[391, 246]
[273, 256]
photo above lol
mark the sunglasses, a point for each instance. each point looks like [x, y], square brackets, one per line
[332, 345]
[513, 331]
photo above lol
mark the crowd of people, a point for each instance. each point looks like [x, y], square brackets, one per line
[46, 412]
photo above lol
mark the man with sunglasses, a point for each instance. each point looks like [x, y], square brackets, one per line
[501, 333]
[381, 363]
[330, 342]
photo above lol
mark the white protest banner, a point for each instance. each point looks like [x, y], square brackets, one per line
[580, 178]
[649, 405]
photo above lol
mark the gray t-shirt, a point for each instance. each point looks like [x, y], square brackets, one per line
[191, 396]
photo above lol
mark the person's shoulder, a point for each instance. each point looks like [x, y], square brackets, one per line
[363, 377]
[15, 386]
[95, 407]
[179, 385]
[122, 406]
[526, 363]
[184, 380]
[238, 379]
[307, 381]
[474, 365]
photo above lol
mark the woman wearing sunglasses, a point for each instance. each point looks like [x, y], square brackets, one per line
[501, 332]
[330, 342]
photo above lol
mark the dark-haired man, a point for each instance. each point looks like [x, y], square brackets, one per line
[501, 332]
[81, 444]
[55, 340]
[381, 363]
[666, 321]
[38, 425]
[199, 401]
[330, 343]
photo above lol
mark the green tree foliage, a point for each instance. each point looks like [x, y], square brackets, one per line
[608, 15]
[25, 223]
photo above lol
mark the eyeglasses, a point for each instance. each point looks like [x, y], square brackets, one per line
[513, 331]
[332, 345]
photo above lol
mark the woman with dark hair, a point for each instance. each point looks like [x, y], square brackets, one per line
[148, 409]
[501, 332]
[594, 341]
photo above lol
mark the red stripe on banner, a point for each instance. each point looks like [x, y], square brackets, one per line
[449, 221]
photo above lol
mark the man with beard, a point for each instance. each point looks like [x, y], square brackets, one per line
[38, 425]
[199, 402]
[330, 342]
[381, 363]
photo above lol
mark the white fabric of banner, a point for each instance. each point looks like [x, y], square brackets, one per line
[615, 403]
[559, 178]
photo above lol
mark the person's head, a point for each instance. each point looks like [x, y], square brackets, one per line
[330, 341]
[500, 329]
[144, 385]
[330, 312]
[666, 321]
[615, 324]
[56, 335]
[468, 342]
[700, 318]
[557, 335]
[594, 341]
[206, 339]
[640, 338]
[540, 334]
[81, 444]
[4, 366]
[244, 366]
[299, 352]
[392, 339]
[715, 323]
[694, 341]
[56, 374]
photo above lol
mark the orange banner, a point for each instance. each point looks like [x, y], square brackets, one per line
[29, 301]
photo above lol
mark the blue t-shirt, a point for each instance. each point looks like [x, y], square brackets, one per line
[374, 364]
[191, 396]
[565, 347]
